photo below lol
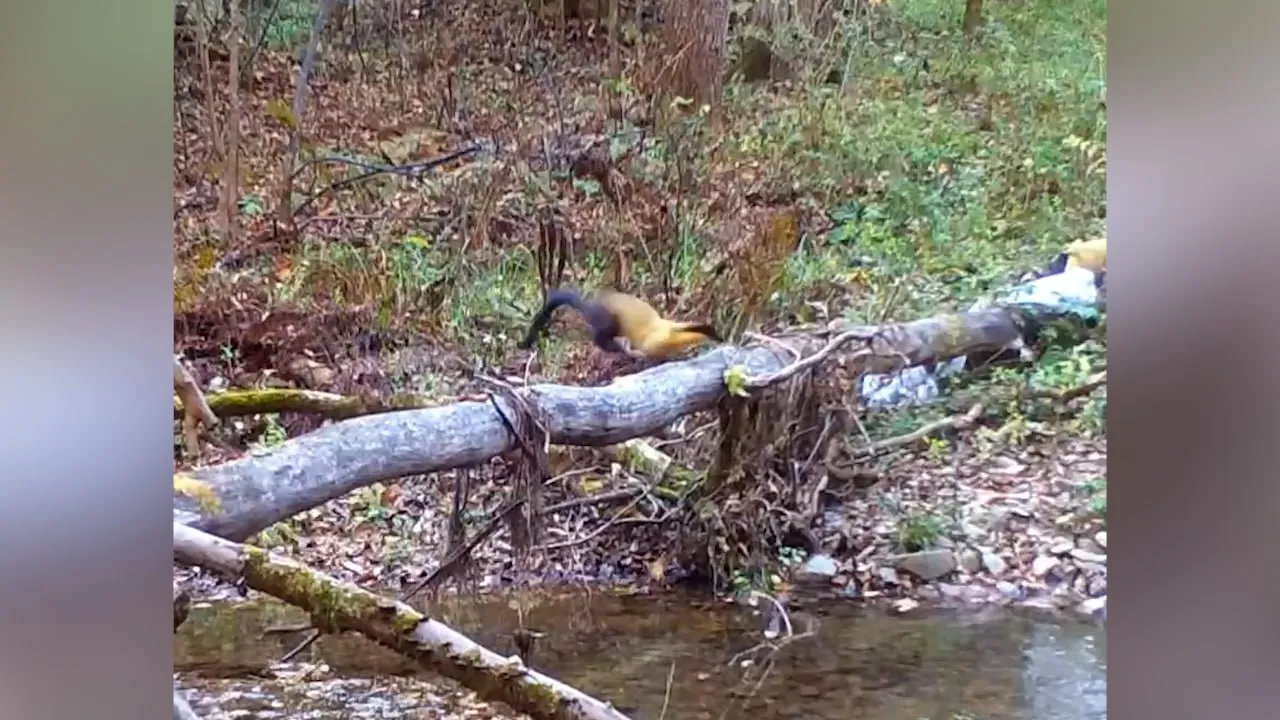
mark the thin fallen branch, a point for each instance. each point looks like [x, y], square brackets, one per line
[238, 403]
[416, 169]
[594, 533]
[805, 363]
[338, 607]
[259, 490]
[958, 422]
[196, 411]
[450, 564]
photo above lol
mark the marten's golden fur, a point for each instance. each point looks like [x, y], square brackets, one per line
[613, 315]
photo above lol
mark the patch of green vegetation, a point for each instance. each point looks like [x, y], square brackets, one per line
[919, 531]
[285, 24]
[968, 161]
[280, 535]
[273, 432]
[1093, 491]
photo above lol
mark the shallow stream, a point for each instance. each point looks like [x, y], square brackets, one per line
[987, 664]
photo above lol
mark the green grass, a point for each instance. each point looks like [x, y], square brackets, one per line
[974, 161]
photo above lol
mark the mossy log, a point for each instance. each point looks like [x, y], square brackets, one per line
[337, 606]
[255, 492]
[238, 403]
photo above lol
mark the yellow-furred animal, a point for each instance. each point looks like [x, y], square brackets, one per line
[613, 315]
[1088, 254]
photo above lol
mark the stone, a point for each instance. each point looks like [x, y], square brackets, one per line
[1101, 538]
[1043, 564]
[928, 592]
[1091, 568]
[1008, 590]
[971, 560]
[993, 563]
[888, 575]
[1089, 557]
[905, 605]
[951, 591]
[926, 564]
[818, 567]
[1061, 547]
[1094, 607]
[1024, 513]
[1097, 586]
[1088, 545]
[1064, 597]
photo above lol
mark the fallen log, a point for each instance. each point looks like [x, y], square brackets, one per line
[234, 403]
[255, 492]
[339, 606]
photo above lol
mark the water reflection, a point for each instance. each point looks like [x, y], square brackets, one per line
[857, 663]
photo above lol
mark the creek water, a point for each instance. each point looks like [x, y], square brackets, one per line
[644, 653]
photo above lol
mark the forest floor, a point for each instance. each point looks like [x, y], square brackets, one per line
[923, 171]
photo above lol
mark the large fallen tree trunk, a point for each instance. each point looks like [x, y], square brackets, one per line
[257, 491]
[338, 606]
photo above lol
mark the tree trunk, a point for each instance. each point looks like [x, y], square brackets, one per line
[972, 16]
[231, 175]
[696, 33]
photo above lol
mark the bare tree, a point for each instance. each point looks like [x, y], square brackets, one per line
[284, 211]
[231, 174]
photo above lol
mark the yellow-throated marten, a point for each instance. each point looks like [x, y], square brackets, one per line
[1088, 254]
[613, 315]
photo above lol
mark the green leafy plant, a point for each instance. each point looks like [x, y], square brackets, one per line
[919, 531]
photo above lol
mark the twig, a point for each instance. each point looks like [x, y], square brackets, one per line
[421, 167]
[601, 499]
[786, 620]
[1094, 382]
[595, 533]
[671, 674]
[774, 342]
[454, 558]
[866, 437]
[247, 68]
[955, 421]
[804, 364]
[306, 643]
